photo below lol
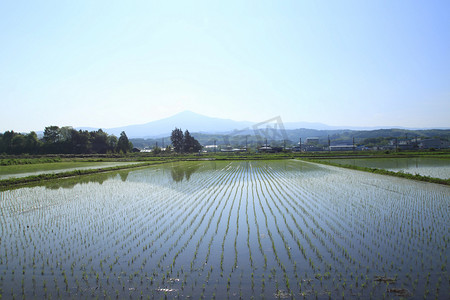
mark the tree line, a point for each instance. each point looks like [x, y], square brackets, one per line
[184, 143]
[64, 140]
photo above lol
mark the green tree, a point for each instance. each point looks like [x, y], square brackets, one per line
[124, 145]
[18, 144]
[112, 143]
[177, 139]
[190, 144]
[80, 141]
[7, 138]
[32, 143]
[52, 139]
[51, 135]
[99, 141]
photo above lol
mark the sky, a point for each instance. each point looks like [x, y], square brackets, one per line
[110, 63]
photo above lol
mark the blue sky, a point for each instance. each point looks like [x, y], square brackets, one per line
[115, 63]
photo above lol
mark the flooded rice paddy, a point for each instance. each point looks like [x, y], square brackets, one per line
[262, 229]
[18, 171]
[425, 166]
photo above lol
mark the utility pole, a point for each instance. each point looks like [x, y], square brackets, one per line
[353, 143]
[246, 143]
[329, 144]
[214, 146]
[300, 144]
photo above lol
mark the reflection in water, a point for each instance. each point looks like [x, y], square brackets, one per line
[69, 183]
[124, 176]
[180, 172]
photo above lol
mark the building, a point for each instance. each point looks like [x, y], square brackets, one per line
[230, 149]
[433, 143]
[211, 148]
[312, 140]
[342, 148]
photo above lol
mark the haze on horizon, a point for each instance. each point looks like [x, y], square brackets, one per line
[115, 63]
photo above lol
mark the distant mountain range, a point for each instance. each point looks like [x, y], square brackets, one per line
[197, 123]
[184, 120]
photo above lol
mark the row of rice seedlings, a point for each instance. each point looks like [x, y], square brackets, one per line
[237, 229]
[287, 248]
[156, 272]
[334, 223]
[345, 251]
[186, 227]
[227, 178]
[281, 201]
[284, 189]
[322, 230]
[248, 232]
[133, 239]
[219, 219]
[252, 178]
[219, 188]
[282, 196]
[346, 255]
[261, 194]
[200, 223]
[388, 243]
[258, 233]
[280, 233]
[222, 255]
[232, 281]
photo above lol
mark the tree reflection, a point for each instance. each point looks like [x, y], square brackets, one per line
[68, 183]
[180, 172]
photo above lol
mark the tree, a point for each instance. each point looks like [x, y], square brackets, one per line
[99, 141]
[51, 134]
[18, 144]
[112, 142]
[52, 139]
[124, 145]
[6, 145]
[177, 139]
[80, 141]
[32, 143]
[190, 143]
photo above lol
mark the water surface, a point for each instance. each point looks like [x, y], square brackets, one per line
[267, 229]
[425, 166]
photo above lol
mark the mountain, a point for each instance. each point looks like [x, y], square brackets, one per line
[185, 120]
[200, 124]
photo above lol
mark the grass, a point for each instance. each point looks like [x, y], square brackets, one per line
[43, 167]
[27, 161]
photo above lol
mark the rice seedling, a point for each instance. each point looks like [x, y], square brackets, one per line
[288, 228]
